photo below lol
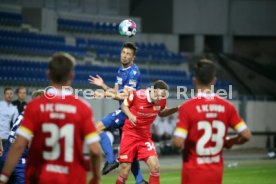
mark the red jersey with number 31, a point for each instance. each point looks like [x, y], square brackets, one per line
[57, 128]
[203, 122]
[141, 106]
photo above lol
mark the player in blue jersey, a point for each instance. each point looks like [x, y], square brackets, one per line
[128, 79]
[18, 176]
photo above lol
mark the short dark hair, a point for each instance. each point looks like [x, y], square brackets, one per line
[37, 93]
[205, 71]
[21, 87]
[160, 84]
[131, 46]
[7, 89]
[60, 66]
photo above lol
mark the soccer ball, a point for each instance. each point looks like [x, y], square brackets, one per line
[127, 28]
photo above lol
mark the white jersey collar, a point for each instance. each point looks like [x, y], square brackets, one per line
[59, 92]
[207, 95]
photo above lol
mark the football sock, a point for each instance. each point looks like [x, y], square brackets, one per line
[121, 180]
[154, 178]
[136, 171]
[107, 148]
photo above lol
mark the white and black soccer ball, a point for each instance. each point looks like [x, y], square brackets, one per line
[127, 28]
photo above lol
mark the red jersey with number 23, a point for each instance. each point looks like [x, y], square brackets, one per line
[203, 122]
[57, 128]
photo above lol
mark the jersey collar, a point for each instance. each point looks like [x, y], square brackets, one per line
[58, 92]
[127, 67]
[206, 95]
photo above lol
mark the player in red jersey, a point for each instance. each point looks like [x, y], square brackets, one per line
[142, 107]
[57, 124]
[203, 123]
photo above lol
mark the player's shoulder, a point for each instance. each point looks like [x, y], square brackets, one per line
[36, 101]
[189, 102]
[140, 93]
[135, 70]
[135, 67]
[223, 101]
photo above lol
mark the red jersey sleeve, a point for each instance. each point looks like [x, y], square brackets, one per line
[88, 128]
[182, 123]
[130, 99]
[236, 122]
[27, 127]
[164, 104]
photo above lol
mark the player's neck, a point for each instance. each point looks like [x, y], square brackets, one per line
[63, 86]
[204, 89]
[127, 65]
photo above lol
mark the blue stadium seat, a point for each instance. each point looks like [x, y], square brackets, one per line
[34, 73]
[7, 18]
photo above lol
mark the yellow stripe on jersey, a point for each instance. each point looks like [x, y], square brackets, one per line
[181, 132]
[126, 103]
[26, 130]
[240, 126]
[92, 137]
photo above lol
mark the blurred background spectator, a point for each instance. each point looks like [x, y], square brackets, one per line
[20, 103]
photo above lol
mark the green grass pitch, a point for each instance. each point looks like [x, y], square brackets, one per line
[247, 172]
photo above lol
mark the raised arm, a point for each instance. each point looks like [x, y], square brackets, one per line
[108, 92]
[168, 111]
[98, 81]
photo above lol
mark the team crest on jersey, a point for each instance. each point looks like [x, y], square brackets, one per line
[123, 156]
[132, 82]
[156, 108]
[119, 80]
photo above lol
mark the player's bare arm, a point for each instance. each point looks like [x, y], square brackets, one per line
[122, 95]
[178, 142]
[98, 81]
[168, 111]
[95, 157]
[130, 116]
[109, 92]
[241, 138]
[13, 156]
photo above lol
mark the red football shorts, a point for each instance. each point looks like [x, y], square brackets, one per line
[133, 147]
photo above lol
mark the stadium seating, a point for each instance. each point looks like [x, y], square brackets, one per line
[41, 44]
[86, 26]
[18, 72]
[36, 44]
[147, 52]
[10, 19]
